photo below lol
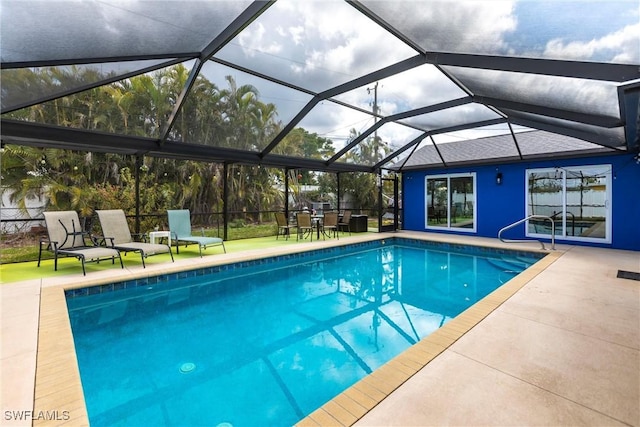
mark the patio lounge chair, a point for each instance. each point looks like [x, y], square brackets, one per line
[180, 229]
[66, 238]
[303, 221]
[115, 231]
[284, 228]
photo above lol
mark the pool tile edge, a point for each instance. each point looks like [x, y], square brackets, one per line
[56, 364]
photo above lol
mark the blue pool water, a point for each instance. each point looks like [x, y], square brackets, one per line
[268, 342]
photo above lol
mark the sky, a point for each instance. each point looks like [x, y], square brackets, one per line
[316, 45]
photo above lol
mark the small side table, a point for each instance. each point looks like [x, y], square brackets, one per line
[358, 223]
[153, 235]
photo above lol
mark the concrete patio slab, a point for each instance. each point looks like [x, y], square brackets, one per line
[563, 350]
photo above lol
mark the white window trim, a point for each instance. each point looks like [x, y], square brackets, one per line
[448, 227]
[563, 236]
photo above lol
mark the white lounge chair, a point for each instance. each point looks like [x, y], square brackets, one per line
[115, 231]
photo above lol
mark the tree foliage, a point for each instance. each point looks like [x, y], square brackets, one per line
[233, 117]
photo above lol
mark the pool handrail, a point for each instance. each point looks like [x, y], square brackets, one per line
[553, 231]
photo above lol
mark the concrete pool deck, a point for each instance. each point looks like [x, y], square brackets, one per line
[558, 345]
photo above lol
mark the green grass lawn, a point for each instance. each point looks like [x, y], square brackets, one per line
[27, 270]
[11, 254]
[20, 262]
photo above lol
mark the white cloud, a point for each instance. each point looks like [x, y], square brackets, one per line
[281, 31]
[460, 26]
[254, 40]
[557, 92]
[622, 46]
[415, 88]
[318, 45]
[297, 34]
[340, 43]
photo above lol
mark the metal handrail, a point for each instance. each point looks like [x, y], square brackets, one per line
[553, 231]
[573, 221]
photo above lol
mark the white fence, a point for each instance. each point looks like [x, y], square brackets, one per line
[585, 204]
[14, 220]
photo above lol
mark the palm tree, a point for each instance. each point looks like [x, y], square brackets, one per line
[233, 117]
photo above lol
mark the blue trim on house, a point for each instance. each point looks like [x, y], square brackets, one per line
[500, 205]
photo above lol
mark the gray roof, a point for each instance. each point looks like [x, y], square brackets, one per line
[527, 145]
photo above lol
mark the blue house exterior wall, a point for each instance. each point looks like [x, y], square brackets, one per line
[500, 205]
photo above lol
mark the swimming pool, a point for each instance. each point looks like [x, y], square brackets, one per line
[266, 342]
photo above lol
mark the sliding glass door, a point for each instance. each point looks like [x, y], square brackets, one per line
[576, 199]
[450, 202]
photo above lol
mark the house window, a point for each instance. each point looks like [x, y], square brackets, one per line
[451, 202]
[577, 199]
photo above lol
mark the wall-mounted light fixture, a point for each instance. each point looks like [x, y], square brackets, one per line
[498, 178]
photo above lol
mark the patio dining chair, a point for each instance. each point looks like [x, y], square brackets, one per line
[330, 224]
[115, 232]
[284, 228]
[303, 222]
[180, 229]
[65, 237]
[344, 223]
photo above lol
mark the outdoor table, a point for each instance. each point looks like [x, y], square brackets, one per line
[153, 235]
